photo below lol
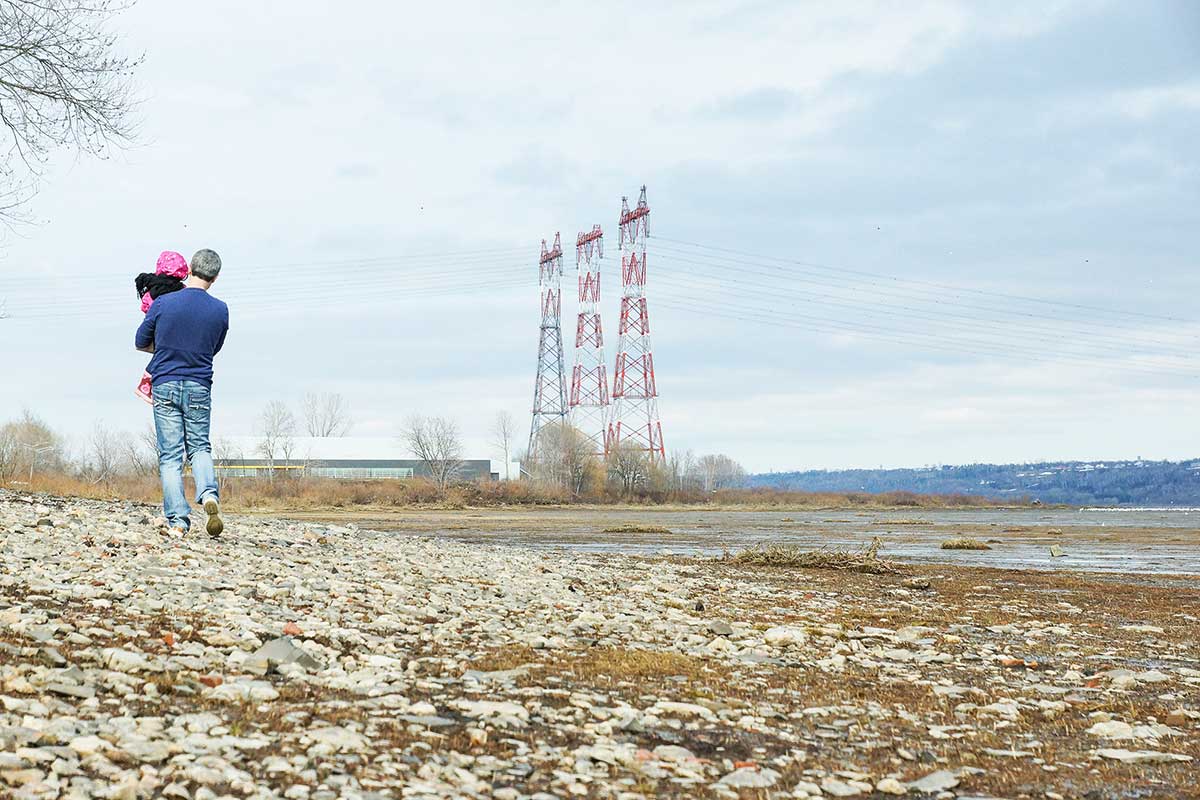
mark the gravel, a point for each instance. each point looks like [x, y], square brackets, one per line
[321, 661]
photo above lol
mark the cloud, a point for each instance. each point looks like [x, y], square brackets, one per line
[1000, 150]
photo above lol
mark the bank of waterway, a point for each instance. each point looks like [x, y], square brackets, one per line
[1093, 540]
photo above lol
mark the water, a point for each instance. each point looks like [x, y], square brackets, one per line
[1162, 541]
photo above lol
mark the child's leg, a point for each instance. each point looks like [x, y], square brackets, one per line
[144, 388]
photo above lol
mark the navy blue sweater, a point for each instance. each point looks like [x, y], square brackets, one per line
[187, 329]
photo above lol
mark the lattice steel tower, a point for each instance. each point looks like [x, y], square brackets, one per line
[634, 416]
[589, 378]
[550, 389]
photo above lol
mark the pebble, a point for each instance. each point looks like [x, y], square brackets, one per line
[317, 661]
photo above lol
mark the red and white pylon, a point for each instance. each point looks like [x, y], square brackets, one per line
[589, 378]
[634, 417]
[550, 389]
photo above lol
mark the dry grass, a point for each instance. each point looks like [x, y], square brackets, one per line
[290, 493]
[633, 527]
[511, 657]
[866, 560]
[619, 664]
[965, 543]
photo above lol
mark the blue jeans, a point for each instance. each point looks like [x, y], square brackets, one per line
[181, 420]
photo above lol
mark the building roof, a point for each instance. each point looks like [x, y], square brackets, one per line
[310, 448]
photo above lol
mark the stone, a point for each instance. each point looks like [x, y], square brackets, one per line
[890, 786]
[1142, 756]
[336, 739]
[72, 690]
[785, 635]
[720, 628]
[670, 752]
[1112, 730]
[750, 778]
[499, 712]
[87, 745]
[243, 691]
[939, 781]
[123, 660]
[280, 651]
[835, 788]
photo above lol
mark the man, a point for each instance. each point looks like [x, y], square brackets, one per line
[184, 330]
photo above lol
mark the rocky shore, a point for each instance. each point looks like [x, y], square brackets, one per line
[306, 660]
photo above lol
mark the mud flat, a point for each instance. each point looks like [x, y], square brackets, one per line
[1159, 541]
[312, 660]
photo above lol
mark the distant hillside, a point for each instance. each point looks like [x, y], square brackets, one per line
[1086, 483]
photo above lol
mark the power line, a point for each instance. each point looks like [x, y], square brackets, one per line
[1004, 295]
[322, 288]
[821, 325]
[974, 327]
[855, 286]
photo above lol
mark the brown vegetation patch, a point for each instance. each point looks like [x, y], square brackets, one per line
[865, 560]
[965, 543]
[634, 527]
[615, 664]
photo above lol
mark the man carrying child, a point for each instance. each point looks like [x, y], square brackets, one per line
[184, 330]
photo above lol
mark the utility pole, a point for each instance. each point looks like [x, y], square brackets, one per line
[550, 387]
[589, 378]
[634, 418]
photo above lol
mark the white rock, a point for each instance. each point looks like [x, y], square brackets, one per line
[86, 745]
[835, 788]
[335, 739]
[785, 635]
[491, 709]
[1141, 756]
[672, 708]
[241, 691]
[1112, 730]
[938, 781]
[891, 786]
[123, 660]
[750, 778]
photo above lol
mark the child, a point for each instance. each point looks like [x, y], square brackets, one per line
[167, 277]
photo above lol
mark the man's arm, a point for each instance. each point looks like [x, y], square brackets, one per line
[221, 341]
[144, 338]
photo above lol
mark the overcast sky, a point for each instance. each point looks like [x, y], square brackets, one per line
[915, 233]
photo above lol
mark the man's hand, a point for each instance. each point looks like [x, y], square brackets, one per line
[147, 349]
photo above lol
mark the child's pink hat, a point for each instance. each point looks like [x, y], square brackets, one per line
[173, 264]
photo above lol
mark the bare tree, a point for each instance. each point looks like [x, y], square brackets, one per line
[719, 472]
[277, 427]
[629, 467]
[224, 453]
[61, 85]
[103, 454]
[141, 452]
[10, 453]
[436, 442]
[27, 443]
[326, 414]
[566, 458]
[503, 430]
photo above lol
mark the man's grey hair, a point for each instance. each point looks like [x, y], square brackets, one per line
[206, 264]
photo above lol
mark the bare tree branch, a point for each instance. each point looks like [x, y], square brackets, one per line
[62, 85]
[435, 441]
[326, 415]
[277, 426]
[503, 430]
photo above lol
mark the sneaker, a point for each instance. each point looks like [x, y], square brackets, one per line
[213, 509]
